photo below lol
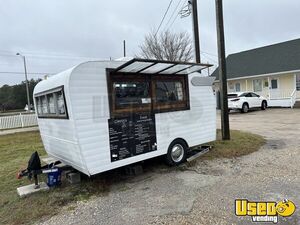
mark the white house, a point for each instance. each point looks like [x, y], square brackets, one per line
[272, 71]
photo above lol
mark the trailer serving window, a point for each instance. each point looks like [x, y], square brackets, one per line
[129, 94]
[146, 93]
[51, 104]
[170, 93]
[142, 85]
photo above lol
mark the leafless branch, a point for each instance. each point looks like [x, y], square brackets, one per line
[167, 46]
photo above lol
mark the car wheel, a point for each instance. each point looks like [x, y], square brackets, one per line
[176, 153]
[263, 105]
[245, 108]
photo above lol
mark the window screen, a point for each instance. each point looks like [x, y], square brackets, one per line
[169, 91]
[131, 93]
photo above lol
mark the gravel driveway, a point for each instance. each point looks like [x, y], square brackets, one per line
[205, 194]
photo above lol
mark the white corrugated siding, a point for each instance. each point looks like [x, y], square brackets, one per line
[59, 135]
[88, 92]
[196, 126]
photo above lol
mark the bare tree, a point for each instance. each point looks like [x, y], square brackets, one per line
[167, 46]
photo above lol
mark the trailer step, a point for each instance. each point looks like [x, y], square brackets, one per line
[196, 153]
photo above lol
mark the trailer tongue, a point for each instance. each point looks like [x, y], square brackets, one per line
[34, 168]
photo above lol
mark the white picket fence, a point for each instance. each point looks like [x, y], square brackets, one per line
[17, 121]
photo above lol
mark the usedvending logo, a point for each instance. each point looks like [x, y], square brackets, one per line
[264, 211]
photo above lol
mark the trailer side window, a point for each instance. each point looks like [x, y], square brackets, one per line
[50, 99]
[60, 103]
[170, 93]
[39, 105]
[44, 105]
[51, 104]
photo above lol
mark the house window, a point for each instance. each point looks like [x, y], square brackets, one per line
[274, 84]
[257, 85]
[298, 82]
[51, 104]
[146, 93]
[237, 87]
[230, 86]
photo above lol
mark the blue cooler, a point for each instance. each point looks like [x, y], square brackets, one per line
[54, 177]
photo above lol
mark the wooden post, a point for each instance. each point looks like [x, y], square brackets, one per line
[222, 71]
[196, 30]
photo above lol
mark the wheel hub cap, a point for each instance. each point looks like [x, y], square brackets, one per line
[177, 153]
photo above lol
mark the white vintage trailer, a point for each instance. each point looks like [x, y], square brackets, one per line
[101, 115]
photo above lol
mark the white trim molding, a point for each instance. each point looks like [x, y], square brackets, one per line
[262, 75]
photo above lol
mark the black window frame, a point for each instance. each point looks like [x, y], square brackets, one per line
[49, 115]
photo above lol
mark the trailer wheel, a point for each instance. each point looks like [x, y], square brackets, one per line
[176, 153]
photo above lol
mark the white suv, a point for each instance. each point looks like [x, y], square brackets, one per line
[246, 100]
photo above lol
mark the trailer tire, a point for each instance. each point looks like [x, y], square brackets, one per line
[177, 152]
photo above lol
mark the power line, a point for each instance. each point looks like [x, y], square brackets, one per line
[173, 13]
[163, 18]
[210, 54]
[22, 73]
[45, 55]
[182, 6]
[209, 58]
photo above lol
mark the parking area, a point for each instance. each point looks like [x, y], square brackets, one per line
[205, 193]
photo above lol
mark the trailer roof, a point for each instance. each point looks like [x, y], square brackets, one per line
[151, 66]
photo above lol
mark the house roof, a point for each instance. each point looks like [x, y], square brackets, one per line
[274, 58]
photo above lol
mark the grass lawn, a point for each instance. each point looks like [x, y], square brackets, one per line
[15, 150]
[241, 143]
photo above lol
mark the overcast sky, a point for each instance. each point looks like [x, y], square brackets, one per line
[57, 34]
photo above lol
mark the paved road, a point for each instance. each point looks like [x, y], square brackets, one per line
[205, 194]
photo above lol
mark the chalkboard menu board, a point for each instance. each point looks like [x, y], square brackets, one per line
[130, 136]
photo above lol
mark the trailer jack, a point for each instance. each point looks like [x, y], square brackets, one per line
[34, 168]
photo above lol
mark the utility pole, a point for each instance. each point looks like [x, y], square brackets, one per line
[124, 48]
[196, 29]
[222, 71]
[26, 81]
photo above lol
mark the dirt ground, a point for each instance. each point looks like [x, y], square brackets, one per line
[205, 193]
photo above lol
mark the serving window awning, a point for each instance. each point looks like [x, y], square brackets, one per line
[150, 66]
